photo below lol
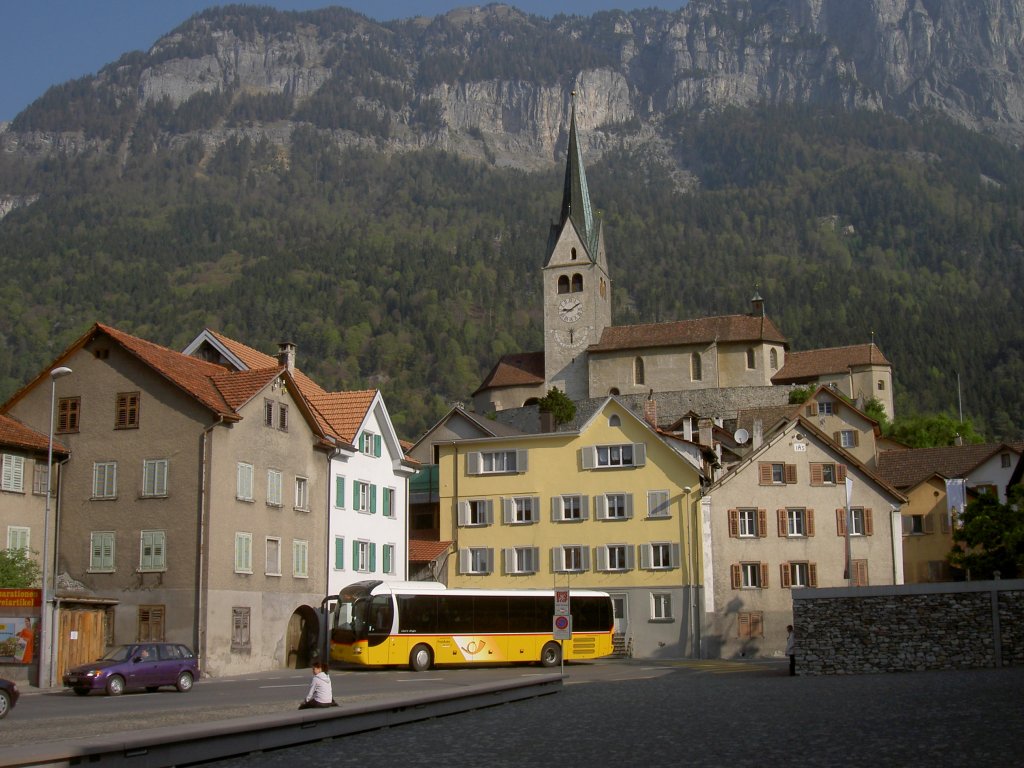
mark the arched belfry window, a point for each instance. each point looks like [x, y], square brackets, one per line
[638, 370]
[577, 282]
[773, 359]
[563, 284]
[613, 391]
[696, 371]
[572, 254]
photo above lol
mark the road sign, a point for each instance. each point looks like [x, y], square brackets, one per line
[561, 602]
[561, 627]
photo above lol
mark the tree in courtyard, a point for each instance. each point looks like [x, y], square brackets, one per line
[558, 404]
[990, 537]
[17, 569]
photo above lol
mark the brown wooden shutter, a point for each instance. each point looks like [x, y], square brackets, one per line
[791, 473]
[785, 580]
[840, 473]
[734, 523]
[737, 578]
[856, 438]
[869, 526]
[812, 408]
[809, 522]
[812, 574]
[841, 521]
[929, 523]
[860, 573]
[817, 474]
[764, 575]
[837, 438]
[781, 513]
[756, 624]
[762, 522]
[764, 473]
[743, 625]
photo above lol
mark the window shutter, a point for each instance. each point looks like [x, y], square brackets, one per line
[764, 575]
[557, 560]
[840, 473]
[585, 557]
[389, 502]
[629, 506]
[356, 565]
[376, 446]
[473, 463]
[907, 521]
[817, 474]
[837, 437]
[489, 512]
[509, 555]
[522, 460]
[588, 456]
[602, 558]
[762, 523]
[812, 408]
[764, 473]
[465, 560]
[737, 581]
[929, 523]
[463, 513]
[756, 624]
[557, 509]
[339, 553]
[781, 516]
[812, 574]
[734, 523]
[373, 558]
[371, 490]
[630, 558]
[785, 579]
[743, 625]
[584, 507]
[601, 507]
[790, 473]
[676, 558]
[645, 556]
[489, 560]
[869, 525]
[639, 454]
[507, 506]
[809, 522]
[840, 521]
[535, 509]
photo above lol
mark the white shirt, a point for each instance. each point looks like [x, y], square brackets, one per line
[320, 689]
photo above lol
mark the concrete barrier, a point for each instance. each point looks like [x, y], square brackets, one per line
[181, 745]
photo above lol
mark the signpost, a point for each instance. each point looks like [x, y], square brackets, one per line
[561, 624]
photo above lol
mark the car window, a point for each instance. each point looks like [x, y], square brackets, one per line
[185, 651]
[120, 653]
[170, 652]
[147, 653]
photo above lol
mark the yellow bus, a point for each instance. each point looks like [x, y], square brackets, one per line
[423, 624]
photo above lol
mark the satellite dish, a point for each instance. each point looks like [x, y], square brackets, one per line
[741, 436]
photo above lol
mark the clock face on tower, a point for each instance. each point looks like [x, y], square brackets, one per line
[570, 309]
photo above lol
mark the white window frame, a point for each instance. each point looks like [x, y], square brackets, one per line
[370, 443]
[104, 480]
[796, 522]
[522, 560]
[658, 504]
[603, 506]
[569, 508]
[614, 456]
[476, 561]
[243, 552]
[19, 537]
[272, 547]
[363, 556]
[476, 513]
[857, 527]
[275, 487]
[747, 517]
[750, 575]
[660, 556]
[623, 555]
[801, 569]
[521, 510]
[579, 554]
[244, 474]
[154, 478]
[101, 561]
[302, 494]
[300, 558]
[826, 408]
[847, 439]
[13, 477]
[503, 462]
[156, 560]
[661, 606]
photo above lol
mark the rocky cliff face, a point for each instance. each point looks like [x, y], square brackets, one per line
[627, 70]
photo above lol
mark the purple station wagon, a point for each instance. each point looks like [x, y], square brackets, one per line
[137, 665]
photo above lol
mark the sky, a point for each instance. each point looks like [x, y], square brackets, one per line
[46, 42]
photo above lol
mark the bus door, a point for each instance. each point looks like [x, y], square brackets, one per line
[380, 637]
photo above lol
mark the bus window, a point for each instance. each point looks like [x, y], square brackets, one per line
[455, 614]
[379, 618]
[490, 614]
[417, 614]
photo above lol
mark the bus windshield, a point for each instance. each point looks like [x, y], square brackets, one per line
[358, 615]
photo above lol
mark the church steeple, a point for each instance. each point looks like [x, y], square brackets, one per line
[575, 195]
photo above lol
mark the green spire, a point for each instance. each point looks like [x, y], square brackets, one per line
[575, 195]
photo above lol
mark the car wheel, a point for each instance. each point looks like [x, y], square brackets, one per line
[551, 655]
[82, 691]
[5, 704]
[421, 658]
[115, 686]
[184, 682]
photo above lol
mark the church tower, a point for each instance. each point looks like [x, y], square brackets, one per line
[577, 289]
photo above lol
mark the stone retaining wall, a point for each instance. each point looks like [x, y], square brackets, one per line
[909, 628]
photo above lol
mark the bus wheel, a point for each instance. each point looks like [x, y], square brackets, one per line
[551, 655]
[421, 658]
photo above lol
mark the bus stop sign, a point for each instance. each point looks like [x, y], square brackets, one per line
[562, 627]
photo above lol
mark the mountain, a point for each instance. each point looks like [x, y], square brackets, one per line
[380, 193]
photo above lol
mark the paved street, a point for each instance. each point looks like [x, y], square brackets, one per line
[710, 714]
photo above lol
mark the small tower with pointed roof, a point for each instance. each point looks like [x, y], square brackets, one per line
[577, 288]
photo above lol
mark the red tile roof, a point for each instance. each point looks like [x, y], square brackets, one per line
[426, 551]
[14, 434]
[519, 369]
[704, 330]
[906, 469]
[254, 359]
[344, 411]
[801, 366]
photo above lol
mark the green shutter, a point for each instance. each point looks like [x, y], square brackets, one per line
[386, 497]
[339, 553]
[373, 558]
[372, 490]
[355, 555]
[387, 559]
[339, 492]
[376, 446]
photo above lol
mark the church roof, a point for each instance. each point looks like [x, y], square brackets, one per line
[575, 194]
[704, 330]
[801, 366]
[518, 369]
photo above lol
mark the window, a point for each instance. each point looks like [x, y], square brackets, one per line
[339, 553]
[570, 508]
[339, 492]
[847, 438]
[751, 360]
[521, 560]
[282, 417]
[776, 473]
[627, 455]
[860, 573]
[127, 412]
[18, 537]
[388, 552]
[101, 549]
[388, 502]
[881, 385]
[154, 477]
[13, 477]
[495, 462]
[659, 556]
[275, 485]
[577, 283]
[369, 444]
[614, 506]
[364, 497]
[476, 512]
[826, 408]
[696, 367]
[300, 559]
[67, 414]
[748, 523]
[1004, 460]
[799, 574]
[773, 359]
[243, 553]
[476, 560]
[615, 557]
[861, 521]
[749, 575]
[104, 480]
[364, 556]
[986, 489]
[243, 484]
[827, 473]
[39, 477]
[570, 558]
[563, 282]
[750, 624]
[520, 510]
[151, 624]
[658, 504]
[301, 493]
[661, 606]
[153, 551]
[268, 413]
[918, 525]
[240, 628]
[638, 370]
[273, 556]
[796, 521]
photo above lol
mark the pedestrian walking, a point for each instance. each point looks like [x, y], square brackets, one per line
[320, 692]
[791, 648]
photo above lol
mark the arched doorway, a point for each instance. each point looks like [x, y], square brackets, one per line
[301, 638]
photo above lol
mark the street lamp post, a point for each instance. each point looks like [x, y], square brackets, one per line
[46, 631]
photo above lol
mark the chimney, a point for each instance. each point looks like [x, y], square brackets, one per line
[651, 410]
[547, 422]
[704, 425]
[286, 355]
[758, 434]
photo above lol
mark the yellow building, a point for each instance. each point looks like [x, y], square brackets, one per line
[609, 506]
